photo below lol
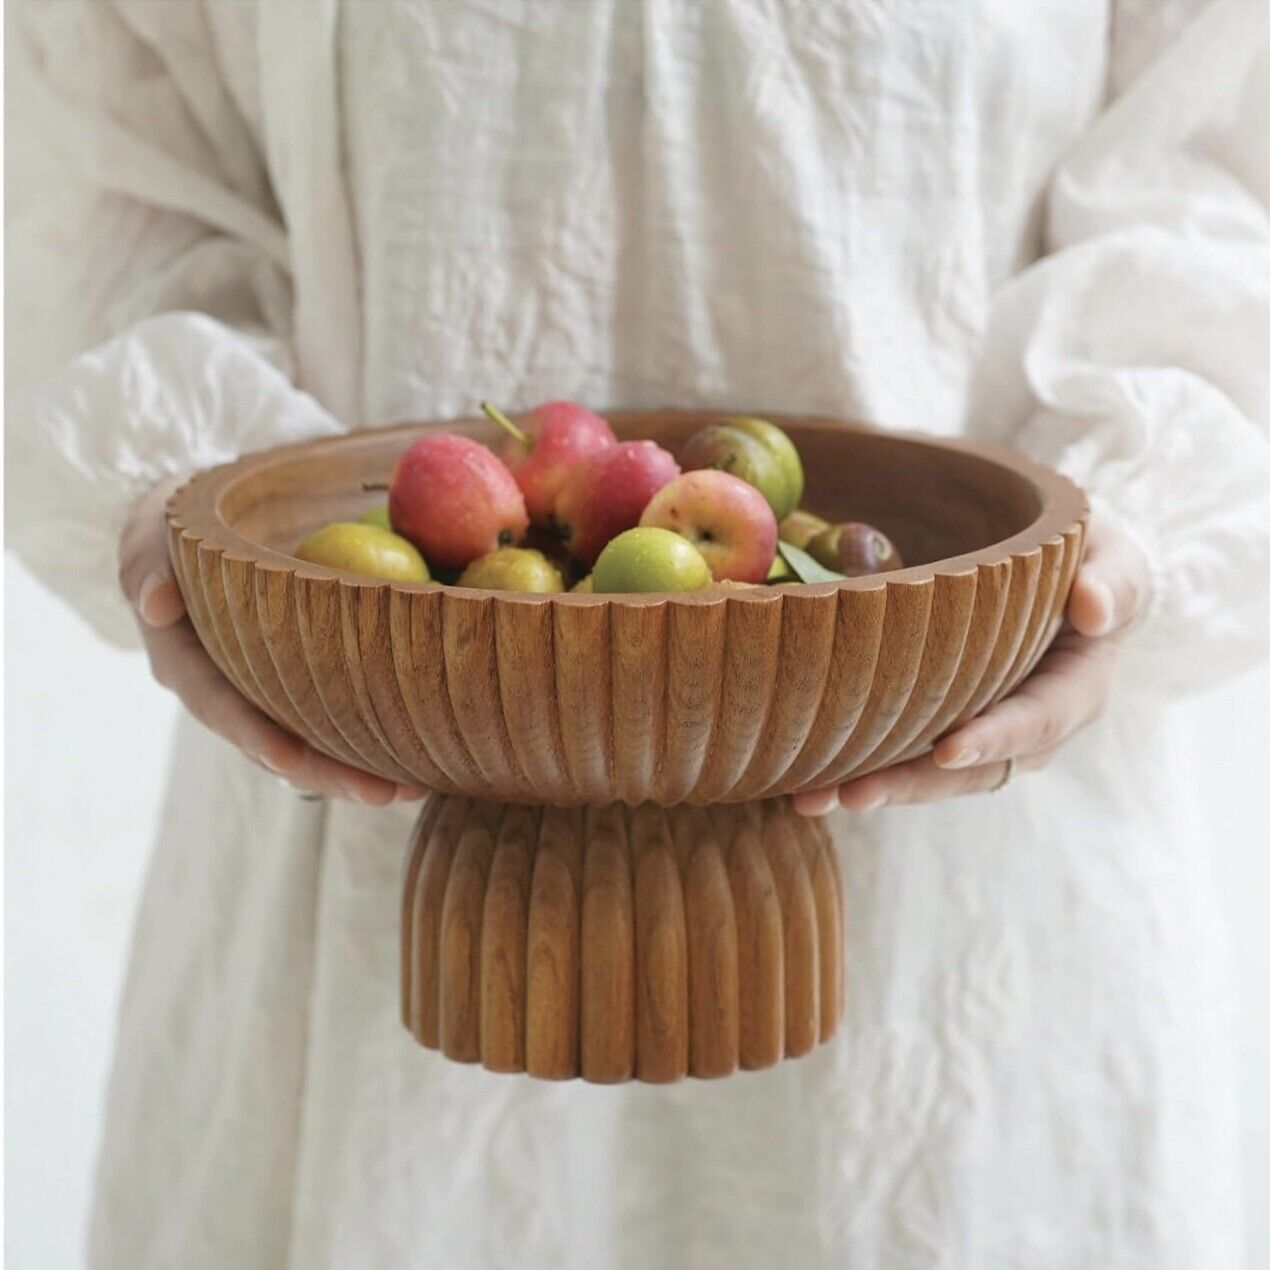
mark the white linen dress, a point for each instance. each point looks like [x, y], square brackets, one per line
[1040, 224]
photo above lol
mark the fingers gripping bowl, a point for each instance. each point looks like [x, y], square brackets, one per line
[700, 697]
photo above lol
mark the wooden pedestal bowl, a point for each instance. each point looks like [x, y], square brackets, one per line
[580, 701]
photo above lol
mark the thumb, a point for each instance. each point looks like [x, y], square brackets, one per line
[1111, 586]
[145, 571]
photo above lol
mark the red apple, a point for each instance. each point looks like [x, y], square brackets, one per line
[606, 495]
[724, 517]
[546, 446]
[455, 500]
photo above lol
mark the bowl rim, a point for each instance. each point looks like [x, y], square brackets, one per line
[194, 510]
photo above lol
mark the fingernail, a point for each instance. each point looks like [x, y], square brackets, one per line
[818, 802]
[850, 797]
[1101, 593]
[967, 758]
[354, 794]
[149, 584]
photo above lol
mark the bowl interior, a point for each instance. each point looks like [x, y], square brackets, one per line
[934, 500]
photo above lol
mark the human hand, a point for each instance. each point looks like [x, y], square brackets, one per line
[1067, 691]
[179, 663]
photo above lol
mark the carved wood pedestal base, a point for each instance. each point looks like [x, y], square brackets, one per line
[621, 943]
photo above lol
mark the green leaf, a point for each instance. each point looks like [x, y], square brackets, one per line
[805, 568]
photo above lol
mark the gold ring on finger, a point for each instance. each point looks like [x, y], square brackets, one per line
[1005, 776]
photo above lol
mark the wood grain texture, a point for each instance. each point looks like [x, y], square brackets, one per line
[661, 950]
[607, 950]
[553, 983]
[624, 943]
[577, 700]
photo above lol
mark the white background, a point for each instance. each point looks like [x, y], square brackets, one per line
[82, 795]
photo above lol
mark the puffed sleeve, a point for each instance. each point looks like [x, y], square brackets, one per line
[1136, 355]
[158, 249]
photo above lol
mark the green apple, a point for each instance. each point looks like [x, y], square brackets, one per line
[786, 455]
[649, 559]
[367, 549]
[734, 450]
[513, 569]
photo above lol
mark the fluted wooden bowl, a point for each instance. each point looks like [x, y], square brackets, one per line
[709, 697]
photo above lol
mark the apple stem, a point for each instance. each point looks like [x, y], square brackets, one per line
[376, 486]
[504, 422]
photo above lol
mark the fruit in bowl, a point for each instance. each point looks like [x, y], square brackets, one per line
[777, 443]
[513, 569]
[756, 451]
[569, 490]
[455, 500]
[801, 526]
[544, 448]
[367, 549]
[854, 550]
[607, 494]
[649, 559]
[723, 448]
[725, 518]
